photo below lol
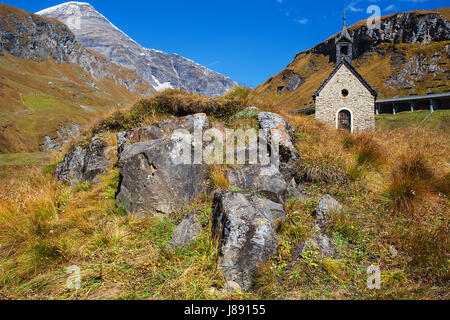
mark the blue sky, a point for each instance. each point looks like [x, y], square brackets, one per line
[247, 40]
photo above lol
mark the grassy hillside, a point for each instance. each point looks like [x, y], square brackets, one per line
[36, 97]
[439, 120]
[392, 69]
[392, 197]
[40, 91]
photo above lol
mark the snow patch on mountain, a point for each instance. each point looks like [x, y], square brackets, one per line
[159, 69]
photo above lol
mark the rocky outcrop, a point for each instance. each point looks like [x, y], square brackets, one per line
[244, 226]
[291, 81]
[415, 70]
[161, 70]
[266, 180]
[327, 204]
[100, 68]
[63, 135]
[151, 180]
[85, 164]
[409, 27]
[153, 177]
[29, 36]
[161, 129]
[186, 233]
[284, 133]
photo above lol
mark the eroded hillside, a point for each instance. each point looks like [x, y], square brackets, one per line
[50, 86]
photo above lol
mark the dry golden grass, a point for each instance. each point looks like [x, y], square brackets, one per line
[46, 226]
[218, 177]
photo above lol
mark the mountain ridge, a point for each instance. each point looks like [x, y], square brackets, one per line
[50, 85]
[159, 69]
[406, 56]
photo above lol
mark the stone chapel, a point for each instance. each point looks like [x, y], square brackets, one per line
[345, 99]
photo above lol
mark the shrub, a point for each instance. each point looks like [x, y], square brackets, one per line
[218, 177]
[411, 180]
[179, 103]
[171, 102]
[240, 94]
[366, 149]
[443, 184]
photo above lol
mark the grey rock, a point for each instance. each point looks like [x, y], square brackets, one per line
[266, 180]
[292, 81]
[159, 69]
[96, 160]
[190, 123]
[198, 121]
[63, 136]
[71, 168]
[326, 205]
[152, 179]
[296, 191]
[84, 165]
[409, 27]
[322, 242]
[232, 287]
[44, 40]
[278, 128]
[186, 233]
[141, 134]
[245, 227]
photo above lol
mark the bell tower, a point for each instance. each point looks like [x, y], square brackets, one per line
[344, 44]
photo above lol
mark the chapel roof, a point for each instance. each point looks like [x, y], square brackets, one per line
[353, 71]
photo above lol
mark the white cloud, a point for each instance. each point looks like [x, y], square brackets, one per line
[302, 21]
[352, 6]
[390, 7]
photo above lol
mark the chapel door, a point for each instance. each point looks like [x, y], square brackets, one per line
[345, 120]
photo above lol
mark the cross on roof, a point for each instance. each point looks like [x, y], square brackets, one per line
[345, 14]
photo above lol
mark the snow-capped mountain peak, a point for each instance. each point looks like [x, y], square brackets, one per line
[158, 68]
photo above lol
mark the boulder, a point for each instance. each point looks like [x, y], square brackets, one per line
[85, 164]
[296, 191]
[232, 286]
[186, 233]
[198, 121]
[142, 134]
[162, 129]
[71, 168]
[266, 180]
[244, 226]
[322, 211]
[278, 128]
[152, 179]
[322, 242]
